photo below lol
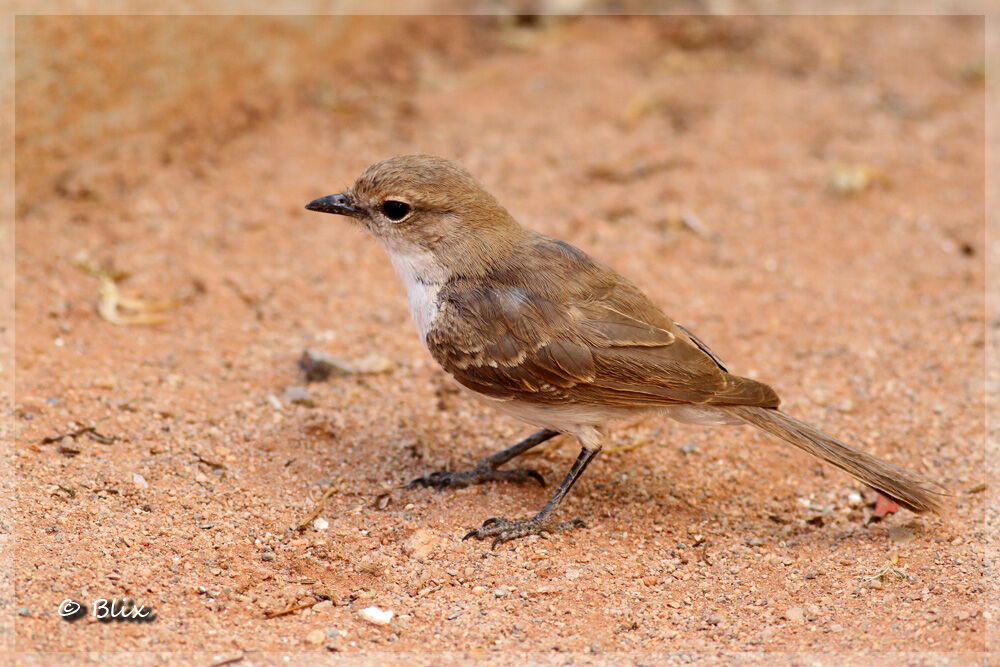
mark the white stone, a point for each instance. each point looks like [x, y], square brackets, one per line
[377, 616]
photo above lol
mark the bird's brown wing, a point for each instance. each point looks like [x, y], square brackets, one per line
[702, 346]
[513, 342]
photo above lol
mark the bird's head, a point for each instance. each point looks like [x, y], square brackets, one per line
[422, 203]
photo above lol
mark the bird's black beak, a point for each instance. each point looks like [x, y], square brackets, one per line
[338, 203]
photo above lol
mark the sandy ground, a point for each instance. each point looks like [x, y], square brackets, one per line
[834, 171]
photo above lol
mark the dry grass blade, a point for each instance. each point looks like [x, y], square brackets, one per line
[110, 302]
[290, 609]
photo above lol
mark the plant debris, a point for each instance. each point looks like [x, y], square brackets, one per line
[320, 506]
[291, 608]
[889, 567]
[110, 301]
[89, 431]
[856, 178]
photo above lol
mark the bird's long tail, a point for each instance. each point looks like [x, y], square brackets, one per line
[907, 489]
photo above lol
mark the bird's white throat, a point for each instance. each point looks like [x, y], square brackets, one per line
[423, 276]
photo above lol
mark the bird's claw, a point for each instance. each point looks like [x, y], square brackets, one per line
[442, 479]
[504, 530]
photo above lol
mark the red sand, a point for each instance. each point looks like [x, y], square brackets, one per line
[188, 167]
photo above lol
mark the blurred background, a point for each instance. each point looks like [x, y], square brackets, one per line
[176, 87]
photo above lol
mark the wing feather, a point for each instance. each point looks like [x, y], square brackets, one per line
[604, 342]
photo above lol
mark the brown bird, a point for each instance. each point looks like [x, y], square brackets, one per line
[537, 328]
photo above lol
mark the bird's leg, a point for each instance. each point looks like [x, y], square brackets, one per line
[503, 530]
[486, 470]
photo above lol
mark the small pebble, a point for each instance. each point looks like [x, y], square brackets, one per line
[501, 593]
[320, 524]
[319, 366]
[267, 556]
[420, 544]
[836, 627]
[325, 605]
[298, 396]
[376, 616]
[795, 614]
[316, 637]
[373, 364]
[715, 619]
[67, 447]
[139, 481]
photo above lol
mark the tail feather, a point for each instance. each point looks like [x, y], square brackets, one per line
[907, 489]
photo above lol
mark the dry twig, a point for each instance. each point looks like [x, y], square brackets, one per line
[290, 609]
[320, 505]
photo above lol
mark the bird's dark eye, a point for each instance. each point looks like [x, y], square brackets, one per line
[395, 210]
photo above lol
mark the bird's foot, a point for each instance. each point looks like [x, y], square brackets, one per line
[481, 473]
[505, 530]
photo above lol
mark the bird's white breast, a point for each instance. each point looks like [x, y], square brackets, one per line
[422, 277]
